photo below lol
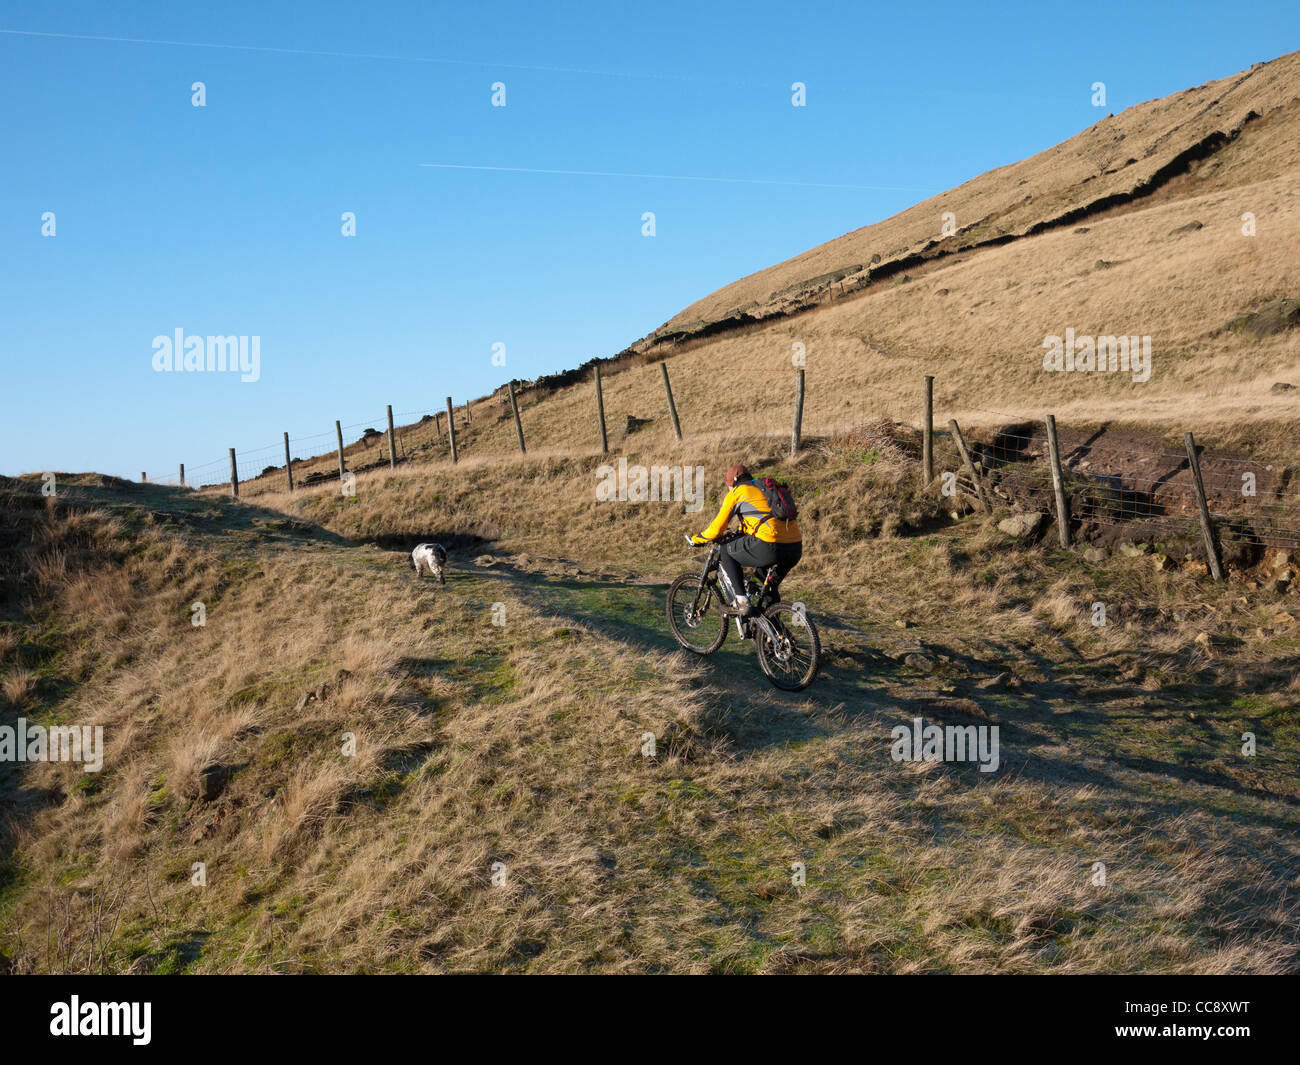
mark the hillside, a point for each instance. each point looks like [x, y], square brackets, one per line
[1136, 226]
[1223, 148]
[521, 743]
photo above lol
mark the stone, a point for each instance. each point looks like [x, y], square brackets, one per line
[1095, 554]
[1163, 563]
[924, 663]
[1282, 619]
[1023, 525]
[212, 781]
[1274, 317]
[1134, 550]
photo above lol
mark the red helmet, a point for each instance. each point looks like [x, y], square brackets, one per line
[736, 473]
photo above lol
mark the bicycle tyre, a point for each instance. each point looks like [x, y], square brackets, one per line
[698, 636]
[793, 666]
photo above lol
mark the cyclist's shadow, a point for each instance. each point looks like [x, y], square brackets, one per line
[745, 706]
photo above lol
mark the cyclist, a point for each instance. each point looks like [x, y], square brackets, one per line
[764, 541]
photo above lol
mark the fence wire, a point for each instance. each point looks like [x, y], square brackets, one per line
[1251, 501]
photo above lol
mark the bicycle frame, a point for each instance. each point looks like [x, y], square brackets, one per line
[711, 567]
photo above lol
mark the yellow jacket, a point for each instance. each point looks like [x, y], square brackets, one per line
[750, 506]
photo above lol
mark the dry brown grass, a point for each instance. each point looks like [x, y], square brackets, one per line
[479, 744]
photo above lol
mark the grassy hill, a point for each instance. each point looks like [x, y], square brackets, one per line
[1133, 226]
[521, 743]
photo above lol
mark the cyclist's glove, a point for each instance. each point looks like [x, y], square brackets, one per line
[698, 540]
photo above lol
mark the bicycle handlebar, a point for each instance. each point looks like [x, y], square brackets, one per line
[724, 538]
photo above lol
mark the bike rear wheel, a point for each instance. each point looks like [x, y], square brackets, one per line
[695, 614]
[792, 659]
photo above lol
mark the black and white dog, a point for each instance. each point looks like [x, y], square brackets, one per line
[432, 557]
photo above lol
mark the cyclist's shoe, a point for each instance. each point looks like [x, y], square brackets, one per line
[740, 610]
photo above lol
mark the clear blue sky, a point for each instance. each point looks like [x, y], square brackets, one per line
[226, 219]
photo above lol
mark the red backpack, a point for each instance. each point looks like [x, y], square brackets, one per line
[780, 500]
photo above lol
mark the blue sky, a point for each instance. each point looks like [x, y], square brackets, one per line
[226, 219]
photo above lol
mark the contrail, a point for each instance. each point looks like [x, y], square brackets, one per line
[678, 177]
[351, 55]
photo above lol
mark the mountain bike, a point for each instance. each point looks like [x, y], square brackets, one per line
[785, 637]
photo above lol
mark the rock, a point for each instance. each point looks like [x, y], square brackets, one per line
[1191, 227]
[486, 560]
[1282, 386]
[1203, 641]
[1095, 554]
[1163, 562]
[1281, 558]
[1134, 550]
[323, 691]
[924, 663]
[1002, 680]
[1023, 525]
[1282, 619]
[212, 781]
[1276, 316]
[903, 623]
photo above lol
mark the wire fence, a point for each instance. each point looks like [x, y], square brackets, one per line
[1111, 479]
[255, 462]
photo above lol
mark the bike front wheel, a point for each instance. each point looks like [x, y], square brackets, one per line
[789, 647]
[695, 614]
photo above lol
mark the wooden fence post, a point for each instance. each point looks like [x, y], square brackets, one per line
[182, 475]
[144, 478]
[288, 462]
[234, 475]
[600, 413]
[514, 408]
[437, 425]
[797, 434]
[970, 466]
[451, 429]
[338, 431]
[467, 419]
[672, 407]
[1207, 529]
[927, 434]
[1058, 483]
[392, 441]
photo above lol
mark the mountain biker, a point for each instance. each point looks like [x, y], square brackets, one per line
[765, 540]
